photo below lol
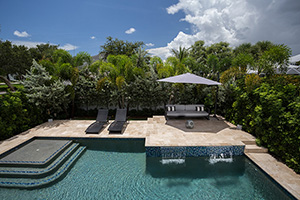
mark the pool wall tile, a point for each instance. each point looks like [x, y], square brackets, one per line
[195, 151]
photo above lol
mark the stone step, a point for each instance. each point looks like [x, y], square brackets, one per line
[255, 149]
[150, 120]
[249, 142]
[33, 183]
[19, 172]
[159, 119]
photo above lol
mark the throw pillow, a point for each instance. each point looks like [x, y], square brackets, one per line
[171, 108]
[199, 108]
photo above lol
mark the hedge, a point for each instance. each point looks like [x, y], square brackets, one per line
[271, 112]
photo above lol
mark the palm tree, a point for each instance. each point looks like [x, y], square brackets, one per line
[141, 55]
[118, 71]
[181, 54]
[67, 69]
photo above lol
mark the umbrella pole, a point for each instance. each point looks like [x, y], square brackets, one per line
[217, 91]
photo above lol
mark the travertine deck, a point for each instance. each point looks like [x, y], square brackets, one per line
[159, 133]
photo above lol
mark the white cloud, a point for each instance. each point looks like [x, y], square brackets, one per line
[130, 31]
[27, 43]
[182, 39]
[93, 37]
[162, 52]
[21, 34]
[150, 44]
[212, 21]
[236, 22]
[68, 47]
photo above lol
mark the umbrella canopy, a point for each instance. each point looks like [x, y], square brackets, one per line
[189, 78]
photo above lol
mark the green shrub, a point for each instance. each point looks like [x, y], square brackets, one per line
[17, 115]
[271, 112]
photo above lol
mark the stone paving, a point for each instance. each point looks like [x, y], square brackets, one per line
[158, 132]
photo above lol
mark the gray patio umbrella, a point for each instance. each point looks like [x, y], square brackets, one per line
[189, 78]
[192, 78]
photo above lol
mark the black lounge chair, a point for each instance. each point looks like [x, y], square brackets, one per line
[120, 120]
[101, 120]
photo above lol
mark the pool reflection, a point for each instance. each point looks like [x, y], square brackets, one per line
[195, 167]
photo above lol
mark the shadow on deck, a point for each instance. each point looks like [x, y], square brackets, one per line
[200, 125]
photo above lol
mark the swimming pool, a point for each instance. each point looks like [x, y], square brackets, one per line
[119, 169]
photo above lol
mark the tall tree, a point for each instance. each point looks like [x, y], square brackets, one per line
[65, 68]
[43, 51]
[6, 62]
[82, 58]
[118, 71]
[47, 94]
[61, 56]
[154, 62]
[118, 47]
[13, 60]
[259, 48]
[181, 53]
[221, 50]
[171, 67]
[213, 63]
[276, 57]
[140, 58]
[239, 67]
[223, 53]
[244, 48]
[243, 60]
[198, 51]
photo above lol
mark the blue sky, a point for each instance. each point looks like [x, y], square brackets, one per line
[161, 24]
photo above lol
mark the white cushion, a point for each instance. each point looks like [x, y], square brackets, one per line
[199, 108]
[171, 108]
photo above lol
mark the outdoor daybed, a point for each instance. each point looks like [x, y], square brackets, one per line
[193, 111]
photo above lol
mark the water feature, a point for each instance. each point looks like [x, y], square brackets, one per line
[172, 155]
[222, 157]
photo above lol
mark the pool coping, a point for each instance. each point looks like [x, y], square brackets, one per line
[279, 175]
[276, 170]
[292, 195]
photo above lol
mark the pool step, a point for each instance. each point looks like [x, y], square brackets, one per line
[37, 153]
[249, 142]
[255, 149]
[23, 172]
[33, 183]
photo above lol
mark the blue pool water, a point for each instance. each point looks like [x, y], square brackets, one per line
[121, 170]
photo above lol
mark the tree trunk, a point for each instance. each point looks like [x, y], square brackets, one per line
[73, 109]
[7, 82]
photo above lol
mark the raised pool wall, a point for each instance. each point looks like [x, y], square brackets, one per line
[196, 151]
